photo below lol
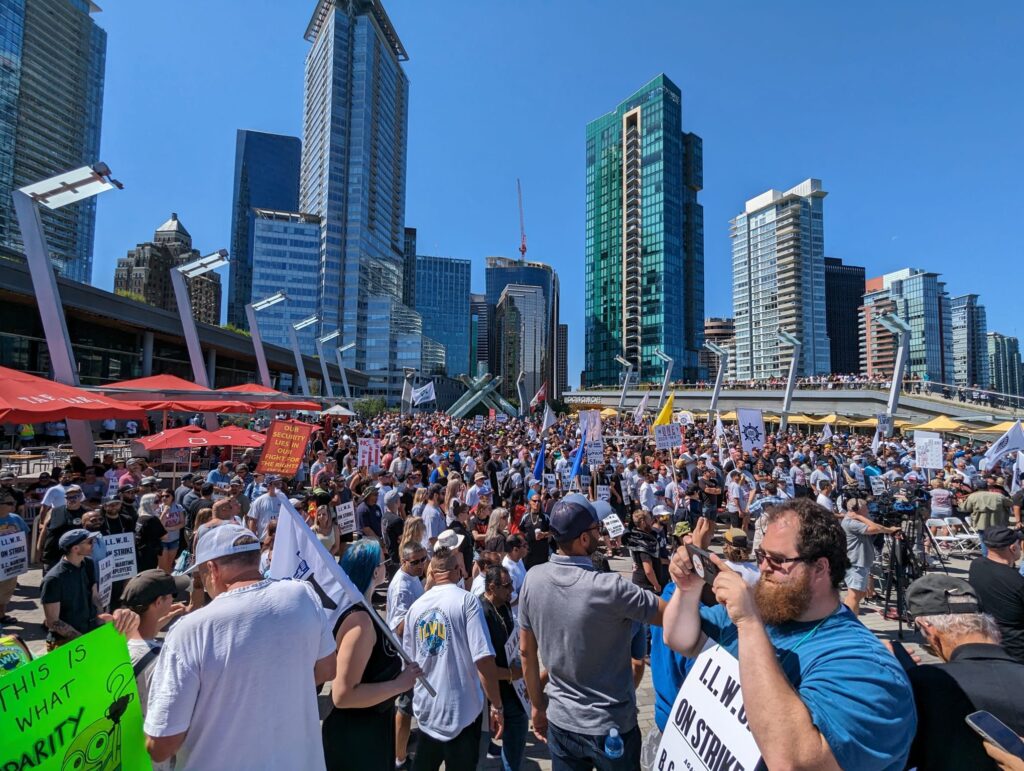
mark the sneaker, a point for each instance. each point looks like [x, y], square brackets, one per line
[493, 751]
[405, 765]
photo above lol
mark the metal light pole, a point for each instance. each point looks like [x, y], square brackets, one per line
[625, 383]
[723, 363]
[292, 329]
[338, 352]
[521, 390]
[53, 193]
[787, 399]
[410, 373]
[179, 275]
[901, 329]
[323, 362]
[257, 341]
[668, 374]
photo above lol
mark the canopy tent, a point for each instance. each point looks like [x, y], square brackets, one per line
[196, 405]
[826, 420]
[338, 411]
[262, 398]
[800, 420]
[609, 412]
[940, 424]
[26, 398]
[998, 428]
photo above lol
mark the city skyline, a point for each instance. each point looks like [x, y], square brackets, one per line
[552, 166]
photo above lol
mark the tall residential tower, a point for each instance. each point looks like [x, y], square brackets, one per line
[970, 346]
[844, 292]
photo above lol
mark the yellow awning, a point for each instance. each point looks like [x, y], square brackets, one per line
[998, 428]
[609, 412]
[731, 415]
[940, 424]
[800, 420]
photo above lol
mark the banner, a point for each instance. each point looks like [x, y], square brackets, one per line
[369, 453]
[423, 394]
[686, 418]
[641, 408]
[707, 727]
[1009, 442]
[105, 581]
[74, 708]
[591, 437]
[928, 449]
[346, 518]
[512, 657]
[668, 437]
[285, 448]
[751, 426]
[13, 556]
[613, 525]
[121, 549]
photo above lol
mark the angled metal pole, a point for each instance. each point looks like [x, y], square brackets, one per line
[625, 383]
[668, 374]
[344, 378]
[191, 332]
[787, 398]
[723, 363]
[298, 360]
[257, 345]
[521, 389]
[901, 330]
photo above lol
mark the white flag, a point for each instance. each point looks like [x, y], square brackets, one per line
[751, 424]
[1018, 472]
[299, 554]
[826, 435]
[638, 413]
[720, 439]
[423, 394]
[1012, 440]
[877, 441]
[549, 418]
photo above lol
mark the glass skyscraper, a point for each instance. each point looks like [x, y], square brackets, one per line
[522, 338]
[1006, 372]
[52, 63]
[970, 347]
[778, 282]
[644, 238]
[266, 177]
[442, 300]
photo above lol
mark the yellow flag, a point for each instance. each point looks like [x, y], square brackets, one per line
[665, 416]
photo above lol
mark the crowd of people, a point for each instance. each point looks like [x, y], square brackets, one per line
[483, 551]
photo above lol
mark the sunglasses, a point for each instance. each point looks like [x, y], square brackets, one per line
[420, 561]
[760, 555]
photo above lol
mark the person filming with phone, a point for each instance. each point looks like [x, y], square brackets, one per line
[819, 690]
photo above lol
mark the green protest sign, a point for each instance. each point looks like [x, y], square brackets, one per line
[74, 709]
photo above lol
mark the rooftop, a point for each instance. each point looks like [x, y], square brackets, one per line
[375, 9]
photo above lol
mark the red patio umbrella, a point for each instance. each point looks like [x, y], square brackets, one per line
[26, 398]
[236, 436]
[158, 383]
[263, 398]
[177, 438]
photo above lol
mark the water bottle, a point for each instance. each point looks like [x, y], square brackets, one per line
[613, 747]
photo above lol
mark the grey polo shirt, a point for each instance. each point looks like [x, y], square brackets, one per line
[583, 622]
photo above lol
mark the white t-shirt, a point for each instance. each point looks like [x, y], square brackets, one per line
[55, 496]
[446, 635]
[263, 510]
[137, 649]
[238, 676]
[517, 572]
[403, 591]
[826, 502]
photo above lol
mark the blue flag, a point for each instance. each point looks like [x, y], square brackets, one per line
[580, 451]
[538, 469]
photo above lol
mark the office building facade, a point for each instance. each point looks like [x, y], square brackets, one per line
[266, 177]
[562, 365]
[844, 293]
[522, 339]
[1006, 372]
[409, 268]
[52, 64]
[644, 238]
[970, 344]
[778, 282]
[478, 331]
[721, 332]
[442, 293]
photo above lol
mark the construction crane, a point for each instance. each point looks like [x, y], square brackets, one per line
[522, 224]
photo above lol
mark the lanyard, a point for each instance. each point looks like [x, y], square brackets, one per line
[808, 636]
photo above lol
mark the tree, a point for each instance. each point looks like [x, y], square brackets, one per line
[131, 295]
[237, 330]
[370, 407]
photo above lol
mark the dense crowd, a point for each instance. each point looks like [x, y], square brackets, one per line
[484, 548]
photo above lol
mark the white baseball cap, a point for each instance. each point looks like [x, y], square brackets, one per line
[223, 541]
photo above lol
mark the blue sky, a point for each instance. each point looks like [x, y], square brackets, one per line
[910, 113]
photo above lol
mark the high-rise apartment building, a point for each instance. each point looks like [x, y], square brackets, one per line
[353, 177]
[52, 64]
[478, 330]
[522, 338]
[442, 300]
[778, 282]
[844, 292]
[145, 273]
[721, 332]
[409, 268]
[266, 177]
[920, 299]
[877, 344]
[1006, 372]
[644, 238]
[562, 365]
[501, 273]
[970, 346]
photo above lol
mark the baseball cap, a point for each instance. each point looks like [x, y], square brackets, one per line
[224, 541]
[236, 481]
[150, 585]
[449, 539]
[127, 487]
[7, 475]
[936, 594]
[1001, 537]
[737, 538]
[74, 537]
[146, 481]
[572, 516]
[390, 496]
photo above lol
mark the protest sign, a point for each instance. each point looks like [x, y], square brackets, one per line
[668, 436]
[77, 707]
[585, 481]
[121, 548]
[604, 492]
[512, 657]
[550, 481]
[285, 448]
[479, 421]
[884, 424]
[613, 525]
[13, 555]
[686, 418]
[928, 449]
[105, 568]
[172, 457]
[707, 727]
[369, 453]
[751, 426]
[877, 485]
[502, 418]
[346, 516]
[593, 441]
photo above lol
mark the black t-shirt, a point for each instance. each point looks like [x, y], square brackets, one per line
[148, 532]
[499, 625]
[72, 587]
[538, 550]
[466, 547]
[1001, 590]
[709, 499]
[62, 519]
[117, 525]
[392, 525]
[369, 516]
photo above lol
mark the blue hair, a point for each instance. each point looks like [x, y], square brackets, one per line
[360, 560]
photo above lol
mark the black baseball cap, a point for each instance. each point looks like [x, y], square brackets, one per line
[1001, 537]
[150, 585]
[572, 516]
[936, 594]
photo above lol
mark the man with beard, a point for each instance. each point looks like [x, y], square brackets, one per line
[819, 689]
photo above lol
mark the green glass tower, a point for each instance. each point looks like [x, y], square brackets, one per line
[644, 239]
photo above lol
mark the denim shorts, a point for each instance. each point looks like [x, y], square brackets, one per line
[857, 578]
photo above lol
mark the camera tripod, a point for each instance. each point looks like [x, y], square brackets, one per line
[902, 566]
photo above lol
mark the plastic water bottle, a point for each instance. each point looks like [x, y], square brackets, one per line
[613, 747]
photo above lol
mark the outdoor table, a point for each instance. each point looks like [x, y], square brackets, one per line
[23, 462]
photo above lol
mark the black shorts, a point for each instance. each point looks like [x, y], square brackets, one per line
[404, 703]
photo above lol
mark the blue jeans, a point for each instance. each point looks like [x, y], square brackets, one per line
[571, 751]
[513, 740]
[984, 548]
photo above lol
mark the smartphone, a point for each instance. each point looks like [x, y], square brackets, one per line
[702, 563]
[902, 656]
[992, 729]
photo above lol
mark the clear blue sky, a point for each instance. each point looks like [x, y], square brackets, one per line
[910, 113]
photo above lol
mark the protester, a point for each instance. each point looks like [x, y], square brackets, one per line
[265, 508]
[536, 530]
[860, 532]
[69, 592]
[405, 588]
[149, 533]
[10, 523]
[1000, 587]
[988, 508]
[64, 516]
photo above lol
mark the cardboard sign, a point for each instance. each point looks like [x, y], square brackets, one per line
[13, 556]
[346, 517]
[175, 457]
[550, 481]
[369, 453]
[884, 424]
[512, 657]
[479, 421]
[593, 441]
[77, 707]
[613, 525]
[105, 568]
[877, 485]
[121, 549]
[285, 448]
[604, 492]
[928, 449]
[707, 727]
[668, 436]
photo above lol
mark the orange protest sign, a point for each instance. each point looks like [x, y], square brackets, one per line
[285, 447]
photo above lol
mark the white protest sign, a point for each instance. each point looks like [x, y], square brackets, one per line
[928, 449]
[585, 481]
[751, 427]
[512, 657]
[667, 436]
[613, 525]
[877, 485]
[13, 555]
[604, 492]
[369, 453]
[479, 421]
[106, 584]
[502, 418]
[550, 481]
[884, 424]
[346, 517]
[121, 549]
[707, 727]
[593, 441]
[686, 418]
